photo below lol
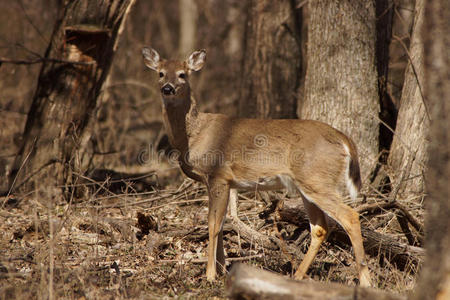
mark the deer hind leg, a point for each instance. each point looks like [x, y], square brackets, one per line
[319, 233]
[218, 202]
[232, 204]
[349, 220]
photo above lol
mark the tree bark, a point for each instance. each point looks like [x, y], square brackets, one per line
[70, 82]
[408, 155]
[341, 77]
[402, 23]
[434, 282]
[271, 62]
[388, 112]
[188, 26]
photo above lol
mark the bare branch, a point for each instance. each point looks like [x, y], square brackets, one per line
[42, 60]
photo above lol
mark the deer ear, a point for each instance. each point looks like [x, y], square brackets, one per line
[196, 60]
[151, 58]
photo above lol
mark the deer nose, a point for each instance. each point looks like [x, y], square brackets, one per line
[168, 89]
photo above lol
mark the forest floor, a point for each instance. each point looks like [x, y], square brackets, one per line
[152, 245]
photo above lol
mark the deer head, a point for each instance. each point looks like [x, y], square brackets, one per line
[174, 74]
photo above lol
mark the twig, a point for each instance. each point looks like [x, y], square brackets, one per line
[399, 138]
[416, 224]
[42, 60]
[244, 257]
[50, 250]
[101, 185]
[128, 82]
[268, 242]
[178, 202]
[204, 260]
[415, 74]
[373, 208]
[401, 219]
[31, 22]
[18, 172]
[301, 4]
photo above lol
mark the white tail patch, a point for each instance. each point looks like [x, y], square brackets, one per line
[351, 187]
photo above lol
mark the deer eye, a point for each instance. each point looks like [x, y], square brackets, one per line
[161, 74]
[182, 75]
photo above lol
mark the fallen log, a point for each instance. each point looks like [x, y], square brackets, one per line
[246, 282]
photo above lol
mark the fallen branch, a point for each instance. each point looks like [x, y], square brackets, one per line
[246, 282]
[39, 60]
[248, 234]
[205, 260]
[374, 208]
[251, 235]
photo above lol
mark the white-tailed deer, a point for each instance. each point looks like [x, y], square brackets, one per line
[226, 153]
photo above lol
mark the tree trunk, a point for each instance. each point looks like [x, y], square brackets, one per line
[408, 155]
[434, 282]
[388, 112]
[188, 27]
[402, 23]
[70, 82]
[341, 77]
[271, 63]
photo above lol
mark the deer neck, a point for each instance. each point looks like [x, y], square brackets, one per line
[180, 121]
[180, 116]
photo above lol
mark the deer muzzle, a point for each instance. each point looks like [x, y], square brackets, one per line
[168, 89]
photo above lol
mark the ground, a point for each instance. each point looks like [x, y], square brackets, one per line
[152, 245]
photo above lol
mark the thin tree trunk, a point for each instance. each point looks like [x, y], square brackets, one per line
[402, 24]
[408, 155]
[434, 282]
[341, 77]
[271, 64]
[67, 96]
[188, 26]
[388, 111]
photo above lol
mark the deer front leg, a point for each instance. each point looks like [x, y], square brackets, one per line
[218, 202]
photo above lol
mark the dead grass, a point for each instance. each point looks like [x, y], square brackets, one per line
[93, 248]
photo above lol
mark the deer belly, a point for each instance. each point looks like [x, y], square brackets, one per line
[277, 182]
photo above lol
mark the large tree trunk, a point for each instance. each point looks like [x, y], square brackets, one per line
[271, 64]
[341, 77]
[434, 280]
[408, 155]
[70, 82]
